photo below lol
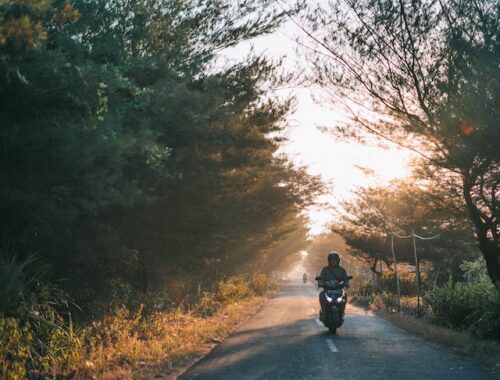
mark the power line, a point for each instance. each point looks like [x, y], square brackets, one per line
[417, 266]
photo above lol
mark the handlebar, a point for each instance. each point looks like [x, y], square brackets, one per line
[323, 284]
[317, 278]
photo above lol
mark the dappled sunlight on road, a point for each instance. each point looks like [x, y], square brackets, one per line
[286, 341]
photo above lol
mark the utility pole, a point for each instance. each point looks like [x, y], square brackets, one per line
[417, 266]
[417, 271]
[453, 279]
[396, 272]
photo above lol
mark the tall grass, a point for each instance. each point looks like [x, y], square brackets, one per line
[115, 345]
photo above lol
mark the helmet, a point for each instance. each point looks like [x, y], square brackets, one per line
[333, 255]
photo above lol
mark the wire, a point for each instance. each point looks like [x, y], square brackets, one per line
[415, 235]
[428, 238]
[401, 237]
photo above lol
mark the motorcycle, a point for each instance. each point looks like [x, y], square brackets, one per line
[304, 278]
[336, 298]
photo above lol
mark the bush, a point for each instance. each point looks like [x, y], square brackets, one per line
[407, 282]
[384, 301]
[260, 283]
[472, 305]
[207, 305]
[46, 344]
[233, 289]
[157, 301]
[228, 291]
[489, 323]
[30, 300]
[63, 350]
[15, 342]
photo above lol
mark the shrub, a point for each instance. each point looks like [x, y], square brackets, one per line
[233, 289]
[15, 341]
[207, 305]
[407, 282]
[384, 301]
[27, 297]
[157, 301]
[20, 288]
[259, 282]
[64, 349]
[473, 305]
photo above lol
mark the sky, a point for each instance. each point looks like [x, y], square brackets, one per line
[343, 166]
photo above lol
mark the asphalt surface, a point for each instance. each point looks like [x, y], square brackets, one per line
[284, 340]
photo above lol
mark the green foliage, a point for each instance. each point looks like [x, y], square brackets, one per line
[62, 349]
[129, 162]
[25, 291]
[15, 341]
[157, 301]
[28, 299]
[126, 156]
[207, 305]
[15, 285]
[475, 272]
[470, 305]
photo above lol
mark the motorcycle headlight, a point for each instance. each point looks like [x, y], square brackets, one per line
[340, 299]
[329, 299]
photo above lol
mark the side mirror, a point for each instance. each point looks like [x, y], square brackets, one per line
[349, 277]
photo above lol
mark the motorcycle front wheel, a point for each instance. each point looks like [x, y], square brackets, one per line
[333, 330]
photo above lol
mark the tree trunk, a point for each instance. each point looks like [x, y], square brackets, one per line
[491, 254]
[489, 247]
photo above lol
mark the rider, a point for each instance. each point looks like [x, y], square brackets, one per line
[332, 272]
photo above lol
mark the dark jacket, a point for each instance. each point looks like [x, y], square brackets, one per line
[334, 273]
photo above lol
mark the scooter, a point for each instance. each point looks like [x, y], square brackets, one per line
[336, 298]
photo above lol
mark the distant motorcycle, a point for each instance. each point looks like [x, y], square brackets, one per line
[304, 278]
[336, 298]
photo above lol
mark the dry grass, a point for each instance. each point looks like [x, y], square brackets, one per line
[135, 344]
[131, 347]
[160, 345]
[190, 338]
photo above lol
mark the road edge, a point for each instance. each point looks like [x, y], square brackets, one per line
[454, 341]
[190, 364]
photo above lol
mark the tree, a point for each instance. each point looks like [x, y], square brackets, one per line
[424, 75]
[126, 155]
[401, 208]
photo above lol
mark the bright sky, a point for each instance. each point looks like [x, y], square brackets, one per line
[339, 163]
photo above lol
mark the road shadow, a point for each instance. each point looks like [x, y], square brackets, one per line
[275, 352]
[366, 349]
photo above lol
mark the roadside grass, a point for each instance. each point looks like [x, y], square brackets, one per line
[484, 352]
[189, 338]
[129, 344]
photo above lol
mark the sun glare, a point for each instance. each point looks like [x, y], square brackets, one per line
[344, 166]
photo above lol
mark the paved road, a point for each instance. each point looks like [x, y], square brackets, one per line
[286, 341]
